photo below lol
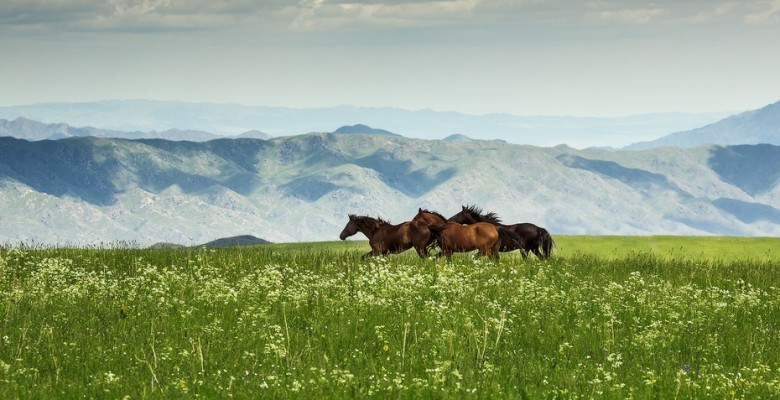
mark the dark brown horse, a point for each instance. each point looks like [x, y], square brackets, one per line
[452, 237]
[385, 238]
[534, 238]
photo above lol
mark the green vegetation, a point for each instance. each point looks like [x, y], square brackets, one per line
[607, 317]
[702, 248]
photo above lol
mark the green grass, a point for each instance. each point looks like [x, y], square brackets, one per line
[673, 247]
[607, 317]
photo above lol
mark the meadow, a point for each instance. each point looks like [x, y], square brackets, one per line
[605, 317]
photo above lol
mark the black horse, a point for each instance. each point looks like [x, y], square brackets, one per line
[535, 239]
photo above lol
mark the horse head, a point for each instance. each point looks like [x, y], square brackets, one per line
[350, 229]
[363, 224]
[429, 217]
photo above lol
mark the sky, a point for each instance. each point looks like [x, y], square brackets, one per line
[600, 58]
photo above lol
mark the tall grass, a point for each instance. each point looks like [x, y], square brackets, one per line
[316, 320]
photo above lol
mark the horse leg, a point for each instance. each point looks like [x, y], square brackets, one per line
[492, 254]
[524, 253]
[445, 252]
[376, 250]
[422, 251]
[491, 251]
[537, 253]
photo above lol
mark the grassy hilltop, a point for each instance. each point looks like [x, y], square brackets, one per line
[606, 317]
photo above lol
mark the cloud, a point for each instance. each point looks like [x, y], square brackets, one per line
[44, 12]
[310, 16]
[712, 13]
[639, 12]
[632, 16]
[327, 15]
[129, 14]
[294, 15]
[770, 14]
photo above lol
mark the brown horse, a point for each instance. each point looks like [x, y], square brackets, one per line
[385, 238]
[430, 218]
[534, 238]
[486, 238]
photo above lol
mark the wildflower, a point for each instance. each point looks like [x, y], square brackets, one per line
[386, 347]
[110, 377]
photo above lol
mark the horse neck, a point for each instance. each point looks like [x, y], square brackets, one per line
[368, 226]
[485, 218]
[432, 219]
[467, 218]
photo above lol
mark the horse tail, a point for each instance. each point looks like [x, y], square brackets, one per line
[509, 237]
[545, 241]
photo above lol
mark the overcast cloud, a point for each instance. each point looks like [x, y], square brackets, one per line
[589, 58]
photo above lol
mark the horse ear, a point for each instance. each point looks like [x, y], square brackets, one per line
[463, 208]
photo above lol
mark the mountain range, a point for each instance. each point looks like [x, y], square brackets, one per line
[750, 127]
[24, 128]
[76, 185]
[230, 120]
[81, 190]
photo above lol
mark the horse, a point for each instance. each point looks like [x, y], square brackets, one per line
[535, 239]
[430, 218]
[484, 237]
[385, 238]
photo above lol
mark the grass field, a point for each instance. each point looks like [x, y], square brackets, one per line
[606, 317]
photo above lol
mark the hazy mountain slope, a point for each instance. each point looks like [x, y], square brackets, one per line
[751, 127]
[87, 190]
[754, 169]
[24, 128]
[362, 130]
[253, 134]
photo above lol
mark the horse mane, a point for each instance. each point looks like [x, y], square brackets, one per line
[365, 221]
[434, 213]
[476, 211]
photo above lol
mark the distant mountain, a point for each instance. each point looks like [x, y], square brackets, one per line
[243, 240]
[233, 241]
[301, 188]
[362, 130]
[751, 127]
[166, 245]
[171, 134]
[234, 119]
[253, 134]
[457, 138]
[28, 129]
[24, 128]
